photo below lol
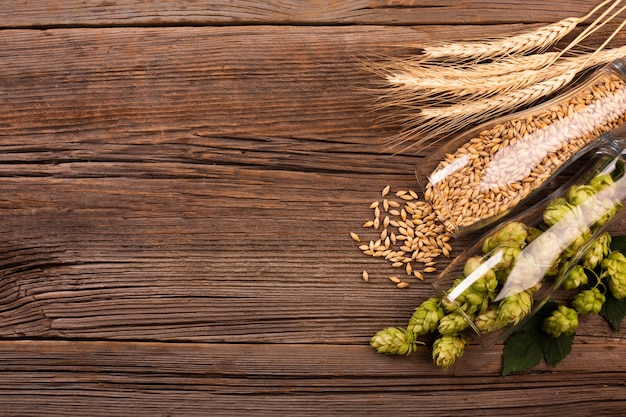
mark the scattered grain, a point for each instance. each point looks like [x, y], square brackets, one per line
[366, 276]
[394, 279]
[407, 235]
[385, 190]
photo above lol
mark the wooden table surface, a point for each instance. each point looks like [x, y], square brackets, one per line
[179, 180]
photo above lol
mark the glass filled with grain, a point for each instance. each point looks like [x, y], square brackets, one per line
[562, 241]
[480, 176]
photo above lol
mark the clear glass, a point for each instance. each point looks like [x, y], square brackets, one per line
[480, 176]
[521, 262]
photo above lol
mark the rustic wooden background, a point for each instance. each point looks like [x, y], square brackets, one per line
[179, 179]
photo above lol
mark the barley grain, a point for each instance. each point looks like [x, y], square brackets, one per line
[366, 276]
[498, 175]
[402, 284]
[355, 237]
[394, 279]
[386, 190]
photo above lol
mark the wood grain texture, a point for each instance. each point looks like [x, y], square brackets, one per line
[55, 13]
[108, 378]
[178, 184]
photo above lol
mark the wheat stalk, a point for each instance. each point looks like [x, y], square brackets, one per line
[473, 111]
[532, 41]
[438, 87]
[431, 98]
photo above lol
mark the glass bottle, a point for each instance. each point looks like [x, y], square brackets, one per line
[514, 269]
[482, 175]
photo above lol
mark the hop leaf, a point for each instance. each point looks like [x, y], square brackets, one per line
[562, 321]
[447, 349]
[588, 301]
[425, 318]
[394, 341]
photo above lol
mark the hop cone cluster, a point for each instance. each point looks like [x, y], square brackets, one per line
[556, 210]
[515, 307]
[425, 318]
[449, 319]
[514, 233]
[394, 341]
[598, 249]
[562, 321]
[488, 321]
[575, 278]
[615, 271]
[447, 349]
[588, 301]
[452, 323]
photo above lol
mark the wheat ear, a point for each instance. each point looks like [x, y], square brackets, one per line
[532, 41]
[436, 88]
[511, 100]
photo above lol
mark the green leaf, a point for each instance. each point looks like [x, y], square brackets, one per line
[613, 310]
[525, 348]
[522, 351]
[556, 349]
[618, 243]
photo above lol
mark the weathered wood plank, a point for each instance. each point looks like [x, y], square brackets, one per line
[75, 378]
[152, 192]
[190, 85]
[243, 256]
[384, 12]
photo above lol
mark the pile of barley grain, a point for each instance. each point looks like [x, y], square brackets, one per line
[406, 232]
[505, 163]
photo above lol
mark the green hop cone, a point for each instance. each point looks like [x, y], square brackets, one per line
[556, 210]
[615, 269]
[562, 321]
[533, 233]
[513, 232]
[425, 318]
[509, 255]
[603, 209]
[579, 193]
[394, 341]
[515, 307]
[447, 349]
[488, 320]
[597, 250]
[470, 300]
[575, 278]
[452, 323]
[483, 288]
[588, 301]
[602, 181]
